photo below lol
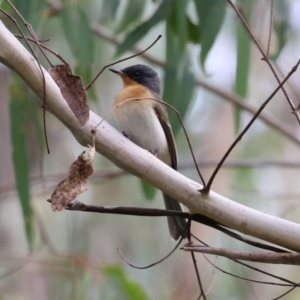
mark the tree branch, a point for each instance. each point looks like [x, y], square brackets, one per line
[113, 145]
[257, 256]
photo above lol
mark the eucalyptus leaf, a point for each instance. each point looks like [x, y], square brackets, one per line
[194, 31]
[109, 9]
[211, 15]
[178, 20]
[132, 14]
[77, 30]
[139, 32]
[243, 61]
[19, 96]
[281, 26]
[178, 81]
[148, 189]
[123, 286]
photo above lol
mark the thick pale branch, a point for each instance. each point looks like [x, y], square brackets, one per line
[257, 256]
[113, 145]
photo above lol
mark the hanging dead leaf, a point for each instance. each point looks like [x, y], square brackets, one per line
[75, 183]
[72, 90]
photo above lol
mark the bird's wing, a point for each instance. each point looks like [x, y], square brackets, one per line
[162, 115]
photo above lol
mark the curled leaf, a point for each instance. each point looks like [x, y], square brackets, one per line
[72, 90]
[75, 183]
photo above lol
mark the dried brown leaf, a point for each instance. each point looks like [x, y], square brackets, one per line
[72, 89]
[75, 183]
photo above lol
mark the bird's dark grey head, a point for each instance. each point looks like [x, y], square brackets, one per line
[144, 75]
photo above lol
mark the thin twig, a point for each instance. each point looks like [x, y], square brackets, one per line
[270, 28]
[202, 293]
[120, 60]
[257, 256]
[153, 212]
[211, 179]
[165, 257]
[290, 283]
[284, 294]
[265, 58]
[45, 47]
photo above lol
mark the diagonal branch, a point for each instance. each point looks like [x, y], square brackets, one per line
[110, 143]
[257, 256]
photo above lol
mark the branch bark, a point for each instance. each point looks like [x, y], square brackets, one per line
[267, 257]
[113, 145]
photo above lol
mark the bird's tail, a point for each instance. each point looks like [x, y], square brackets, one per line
[176, 225]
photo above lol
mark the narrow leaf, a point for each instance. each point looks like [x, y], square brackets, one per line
[19, 153]
[132, 14]
[194, 32]
[281, 26]
[139, 32]
[109, 9]
[148, 189]
[211, 15]
[124, 287]
[243, 63]
[77, 30]
[178, 81]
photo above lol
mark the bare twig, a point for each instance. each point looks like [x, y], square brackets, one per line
[270, 28]
[152, 212]
[265, 58]
[211, 179]
[290, 283]
[120, 60]
[202, 293]
[257, 256]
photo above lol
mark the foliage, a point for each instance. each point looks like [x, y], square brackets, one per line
[190, 29]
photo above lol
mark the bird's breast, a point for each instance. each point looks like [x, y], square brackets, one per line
[138, 120]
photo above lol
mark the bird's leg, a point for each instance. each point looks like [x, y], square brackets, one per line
[124, 133]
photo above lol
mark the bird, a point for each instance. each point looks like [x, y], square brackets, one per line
[146, 124]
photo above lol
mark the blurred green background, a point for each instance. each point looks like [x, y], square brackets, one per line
[204, 57]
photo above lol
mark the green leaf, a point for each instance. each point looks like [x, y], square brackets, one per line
[281, 26]
[139, 32]
[178, 20]
[124, 287]
[178, 81]
[211, 15]
[109, 9]
[243, 62]
[24, 7]
[19, 97]
[77, 30]
[85, 72]
[148, 189]
[194, 32]
[131, 15]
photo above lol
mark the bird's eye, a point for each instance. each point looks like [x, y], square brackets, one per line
[136, 75]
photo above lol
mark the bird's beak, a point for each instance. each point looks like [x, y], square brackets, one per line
[119, 72]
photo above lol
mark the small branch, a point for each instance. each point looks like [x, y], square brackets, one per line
[270, 28]
[211, 179]
[154, 212]
[265, 58]
[257, 256]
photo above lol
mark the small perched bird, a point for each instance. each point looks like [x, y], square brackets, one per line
[146, 123]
